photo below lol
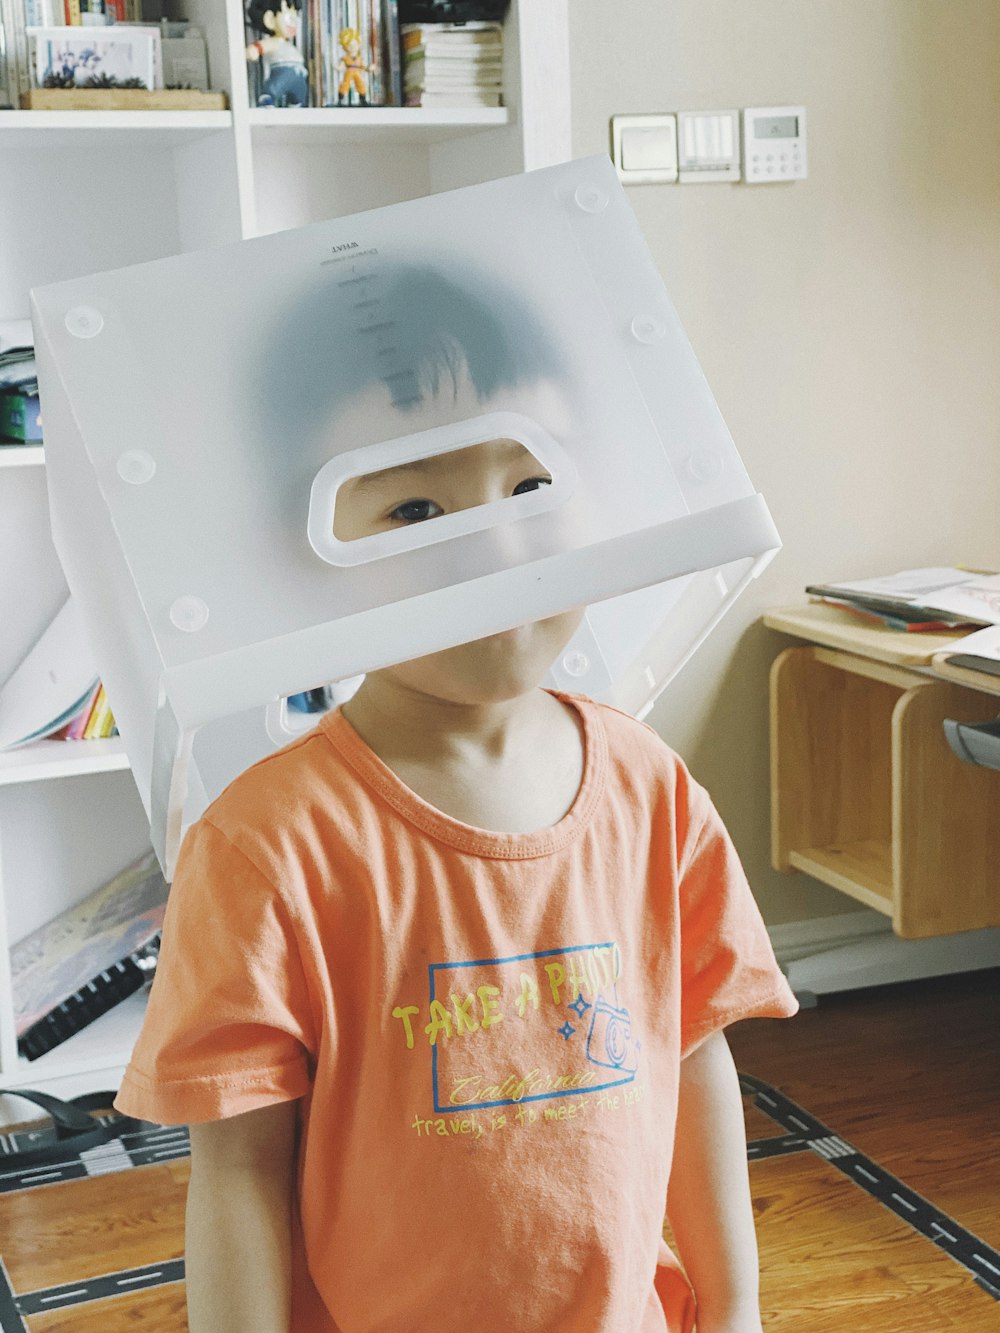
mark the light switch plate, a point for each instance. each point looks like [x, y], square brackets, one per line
[644, 147]
[708, 146]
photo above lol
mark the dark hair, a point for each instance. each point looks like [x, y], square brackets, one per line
[413, 328]
[256, 9]
[416, 328]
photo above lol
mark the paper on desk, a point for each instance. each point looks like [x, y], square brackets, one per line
[912, 585]
[984, 643]
[961, 594]
[979, 599]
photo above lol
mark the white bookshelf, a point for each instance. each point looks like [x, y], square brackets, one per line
[87, 191]
[17, 455]
[47, 760]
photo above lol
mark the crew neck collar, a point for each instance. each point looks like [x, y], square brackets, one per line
[466, 837]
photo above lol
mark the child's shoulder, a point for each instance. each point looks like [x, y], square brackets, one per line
[281, 792]
[642, 762]
[619, 725]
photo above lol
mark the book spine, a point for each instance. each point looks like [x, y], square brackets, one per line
[76, 728]
[6, 76]
[90, 1002]
[19, 52]
[393, 52]
[90, 729]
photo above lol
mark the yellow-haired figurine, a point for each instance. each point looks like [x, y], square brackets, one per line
[355, 70]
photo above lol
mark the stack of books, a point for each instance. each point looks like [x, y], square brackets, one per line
[925, 600]
[453, 64]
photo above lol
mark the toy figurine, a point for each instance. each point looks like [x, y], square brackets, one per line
[354, 68]
[286, 81]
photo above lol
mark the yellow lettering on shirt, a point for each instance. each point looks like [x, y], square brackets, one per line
[440, 1022]
[464, 1022]
[528, 995]
[491, 1010]
[577, 977]
[404, 1014]
[556, 974]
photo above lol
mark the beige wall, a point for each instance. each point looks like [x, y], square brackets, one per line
[848, 324]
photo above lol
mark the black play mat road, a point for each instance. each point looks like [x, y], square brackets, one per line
[25, 1309]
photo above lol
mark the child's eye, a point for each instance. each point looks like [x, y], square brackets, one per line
[416, 511]
[531, 484]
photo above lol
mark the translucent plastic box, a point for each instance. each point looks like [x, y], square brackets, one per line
[203, 412]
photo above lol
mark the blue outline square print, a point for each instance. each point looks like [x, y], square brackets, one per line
[588, 1028]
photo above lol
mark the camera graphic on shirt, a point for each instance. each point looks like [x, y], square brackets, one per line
[610, 1041]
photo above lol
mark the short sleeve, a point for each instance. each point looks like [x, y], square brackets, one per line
[227, 1028]
[728, 968]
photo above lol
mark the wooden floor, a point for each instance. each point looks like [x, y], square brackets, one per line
[909, 1075]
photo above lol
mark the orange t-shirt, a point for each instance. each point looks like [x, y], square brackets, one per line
[485, 1029]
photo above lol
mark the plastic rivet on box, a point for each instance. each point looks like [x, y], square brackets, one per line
[705, 466]
[576, 664]
[136, 467]
[189, 614]
[648, 329]
[84, 322]
[591, 198]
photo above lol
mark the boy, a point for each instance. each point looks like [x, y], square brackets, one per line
[442, 994]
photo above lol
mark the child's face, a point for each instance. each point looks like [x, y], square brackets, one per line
[489, 670]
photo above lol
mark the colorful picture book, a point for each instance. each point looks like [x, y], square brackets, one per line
[55, 691]
[78, 966]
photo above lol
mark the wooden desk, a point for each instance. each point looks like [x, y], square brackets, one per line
[866, 794]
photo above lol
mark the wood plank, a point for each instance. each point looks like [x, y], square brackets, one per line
[975, 680]
[122, 99]
[863, 870]
[162, 1308]
[124, 1220]
[946, 818]
[834, 628]
[910, 1075]
[901, 677]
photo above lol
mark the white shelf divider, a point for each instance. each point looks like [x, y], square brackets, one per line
[22, 455]
[46, 760]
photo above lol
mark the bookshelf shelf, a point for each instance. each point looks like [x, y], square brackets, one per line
[18, 455]
[105, 1045]
[131, 129]
[46, 760]
[372, 124]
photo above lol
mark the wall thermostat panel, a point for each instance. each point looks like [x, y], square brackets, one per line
[708, 146]
[644, 148]
[774, 144]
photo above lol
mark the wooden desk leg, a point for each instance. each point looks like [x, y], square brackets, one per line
[945, 818]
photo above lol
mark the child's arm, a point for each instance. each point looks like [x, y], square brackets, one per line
[708, 1204]
[238, 1241]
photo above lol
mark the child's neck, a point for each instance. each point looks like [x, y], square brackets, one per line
[512, 767]
[395, 719]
